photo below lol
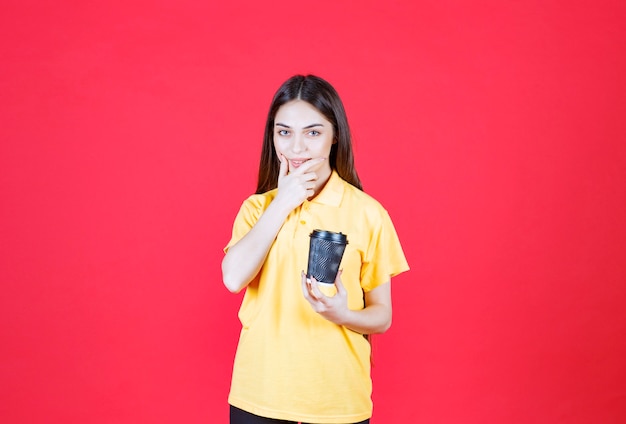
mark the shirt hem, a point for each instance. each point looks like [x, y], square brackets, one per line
[292, 416]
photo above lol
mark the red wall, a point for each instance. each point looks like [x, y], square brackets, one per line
[493, 132]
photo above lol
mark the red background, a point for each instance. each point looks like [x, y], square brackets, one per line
[492, 131]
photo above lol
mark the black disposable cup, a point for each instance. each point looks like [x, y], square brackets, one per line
[325, 253]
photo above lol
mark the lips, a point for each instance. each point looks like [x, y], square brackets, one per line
[295, 163]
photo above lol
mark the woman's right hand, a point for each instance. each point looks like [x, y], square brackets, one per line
[246, 257]
[294, 187]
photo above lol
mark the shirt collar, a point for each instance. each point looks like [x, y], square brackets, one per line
[332, 193]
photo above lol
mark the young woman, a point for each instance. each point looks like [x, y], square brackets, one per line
[304, 356]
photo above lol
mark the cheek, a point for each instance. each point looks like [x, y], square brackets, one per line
[328, 145]
[277, 148]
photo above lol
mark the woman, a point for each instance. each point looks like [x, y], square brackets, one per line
[302, 355]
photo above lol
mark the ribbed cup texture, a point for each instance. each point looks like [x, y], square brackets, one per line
[325, 256]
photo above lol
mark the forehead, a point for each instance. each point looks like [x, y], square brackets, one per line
[298, 113]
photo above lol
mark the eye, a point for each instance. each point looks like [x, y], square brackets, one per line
[283, 132]
[314, 133]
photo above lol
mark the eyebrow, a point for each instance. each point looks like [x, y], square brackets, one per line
[278, 124]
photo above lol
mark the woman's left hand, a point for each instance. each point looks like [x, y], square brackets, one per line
[333, 308]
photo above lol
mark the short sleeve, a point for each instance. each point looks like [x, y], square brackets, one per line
[384, 257]
[246, 218]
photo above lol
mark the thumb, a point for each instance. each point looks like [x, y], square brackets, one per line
[283, 167]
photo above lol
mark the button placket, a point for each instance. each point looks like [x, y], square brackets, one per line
[303, 218]
[305, 213]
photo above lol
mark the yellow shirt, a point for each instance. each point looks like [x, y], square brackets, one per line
[292, 363]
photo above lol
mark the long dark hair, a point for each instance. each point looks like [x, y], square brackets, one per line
[323, 97]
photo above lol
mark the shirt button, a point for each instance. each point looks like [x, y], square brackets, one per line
[303, 222]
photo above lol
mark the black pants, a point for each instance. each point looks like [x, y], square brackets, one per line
[238, 416]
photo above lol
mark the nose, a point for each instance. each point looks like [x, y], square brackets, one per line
[297, 144]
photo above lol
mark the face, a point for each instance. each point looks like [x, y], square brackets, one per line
[302, 133]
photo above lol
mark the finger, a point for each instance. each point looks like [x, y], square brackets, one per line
[284, 164]
[306, 288]
[316, 292]
[309, 291]
[309, 177]
[341, 289]
[309, 166]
